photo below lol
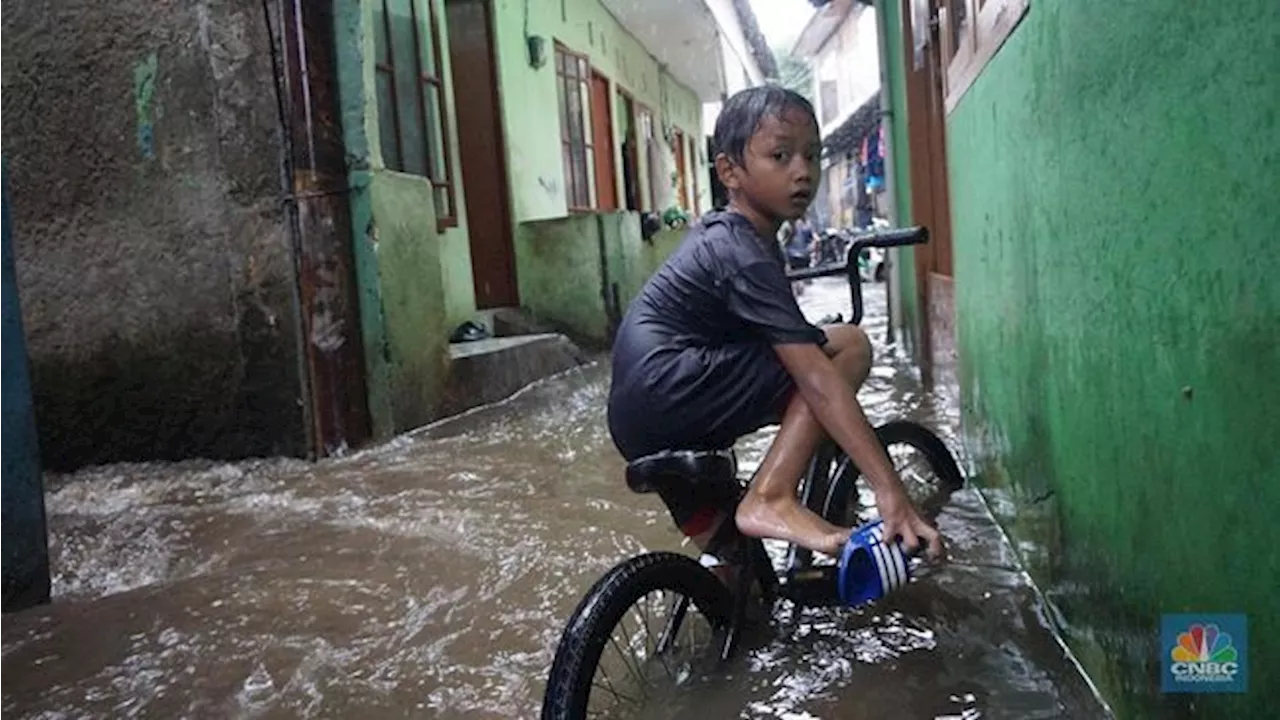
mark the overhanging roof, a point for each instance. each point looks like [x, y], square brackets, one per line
[848, 136]
[824, 21]
[679, 33]
[684, 36]
[759, 46]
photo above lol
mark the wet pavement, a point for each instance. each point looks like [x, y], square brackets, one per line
[431, 577]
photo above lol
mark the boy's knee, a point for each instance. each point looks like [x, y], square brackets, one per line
[850, 347]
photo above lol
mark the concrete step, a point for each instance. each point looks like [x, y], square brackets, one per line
[512, 321]
[486, 371]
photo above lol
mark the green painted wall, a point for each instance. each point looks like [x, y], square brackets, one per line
[550, 244]
[550, 251]
[531, 118]
[1114, 188]
[636, 259]
[415, 283]
[417, 339]
[558, 266]
[889, 17]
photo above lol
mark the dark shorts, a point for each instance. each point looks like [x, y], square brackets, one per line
[698, 399]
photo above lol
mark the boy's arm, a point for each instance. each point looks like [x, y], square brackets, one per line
[832, 400]
[760, 294]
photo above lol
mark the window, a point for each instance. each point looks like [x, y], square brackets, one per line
[971, 33]
[573, 78]
[411, 110]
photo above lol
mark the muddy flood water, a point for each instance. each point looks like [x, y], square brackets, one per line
[431, 577]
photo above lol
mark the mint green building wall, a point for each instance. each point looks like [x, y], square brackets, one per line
[567, 275]
[530, 101]
[414, 282]
[1115, 188]
[558, 263]
[558, 256]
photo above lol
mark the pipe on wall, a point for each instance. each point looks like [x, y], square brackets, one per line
[316, 192]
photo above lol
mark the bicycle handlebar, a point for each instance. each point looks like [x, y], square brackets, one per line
[894, 238]
[918, 235]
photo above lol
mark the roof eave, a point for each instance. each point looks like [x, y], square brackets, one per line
[760, 50]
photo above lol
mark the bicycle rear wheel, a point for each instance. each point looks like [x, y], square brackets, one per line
[927, 467]
[671, 613]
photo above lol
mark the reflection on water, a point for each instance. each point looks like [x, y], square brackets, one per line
[431, 576]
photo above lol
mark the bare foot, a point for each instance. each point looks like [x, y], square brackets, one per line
[788, 520]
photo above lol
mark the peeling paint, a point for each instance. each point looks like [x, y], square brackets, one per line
[144, 85]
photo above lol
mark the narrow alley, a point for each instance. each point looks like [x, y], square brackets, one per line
[431, 576]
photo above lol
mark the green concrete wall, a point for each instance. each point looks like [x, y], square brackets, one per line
[413, 291]
[1114, 186]
[414, 282]
[558, 265]
[605, 277]
[530, 116]
[637, 259]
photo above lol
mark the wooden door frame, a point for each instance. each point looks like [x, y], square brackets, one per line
[500, 147]
[613, 159]
[926, 144]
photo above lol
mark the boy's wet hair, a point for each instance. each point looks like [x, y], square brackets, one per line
[741, 115]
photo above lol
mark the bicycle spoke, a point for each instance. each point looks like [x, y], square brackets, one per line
[673, 624]
[640, 647]
[633, 668]
[611, 689]
[661, 656]
[609, 686]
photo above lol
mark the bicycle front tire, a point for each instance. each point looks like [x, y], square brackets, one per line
[603, 607]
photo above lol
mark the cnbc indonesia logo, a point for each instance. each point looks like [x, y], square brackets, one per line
[1204, 654]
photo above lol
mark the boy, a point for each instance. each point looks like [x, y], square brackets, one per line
[715, 347]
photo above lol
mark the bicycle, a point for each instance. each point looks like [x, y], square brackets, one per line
[827, 488]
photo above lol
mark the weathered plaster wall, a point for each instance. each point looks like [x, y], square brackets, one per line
[606, 275]
[530, 115]
[1114, 185]
[410, 285]
[153, 257]
[559, 266]
[416, 335]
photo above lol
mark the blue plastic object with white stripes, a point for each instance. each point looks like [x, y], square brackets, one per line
[869, 567]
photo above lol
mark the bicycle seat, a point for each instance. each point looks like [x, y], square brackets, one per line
[651, 473]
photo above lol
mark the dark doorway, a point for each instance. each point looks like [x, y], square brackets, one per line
[630, 151]
[481, 147]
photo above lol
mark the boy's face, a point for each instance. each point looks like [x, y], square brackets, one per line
[779, 174]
